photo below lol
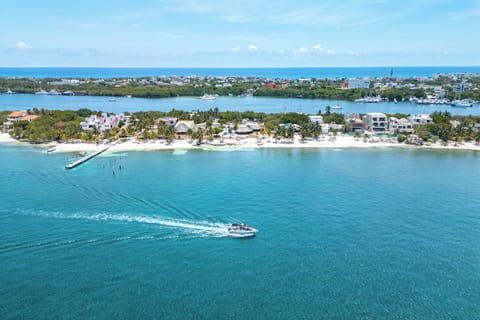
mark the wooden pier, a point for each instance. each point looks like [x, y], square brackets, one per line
[86, 158]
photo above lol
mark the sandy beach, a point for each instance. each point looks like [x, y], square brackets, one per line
[341, 141]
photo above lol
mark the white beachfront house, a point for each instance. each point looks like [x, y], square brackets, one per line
[104, 121]
[316, 119]
[396, 125]
[420, 119]
[376, 122]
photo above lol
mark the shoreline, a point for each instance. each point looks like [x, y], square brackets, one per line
[341, 142]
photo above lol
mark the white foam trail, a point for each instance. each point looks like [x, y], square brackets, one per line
[197, 227]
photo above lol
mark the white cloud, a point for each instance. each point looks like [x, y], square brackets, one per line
[21, 45]
[318, 48]
[252, 47]
[331, 52]
[236, 19]
[236, 49]
[301, 51]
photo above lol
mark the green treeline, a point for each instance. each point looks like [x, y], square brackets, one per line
[317, 89]
[64, 125]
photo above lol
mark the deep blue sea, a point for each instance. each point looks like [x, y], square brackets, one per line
[344, 234]
[284, 73]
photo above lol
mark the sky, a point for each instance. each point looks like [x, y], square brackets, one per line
[241, 33]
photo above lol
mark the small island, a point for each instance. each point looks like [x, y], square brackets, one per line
[86, 130]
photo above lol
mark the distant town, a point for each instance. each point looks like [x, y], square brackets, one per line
[457, 89]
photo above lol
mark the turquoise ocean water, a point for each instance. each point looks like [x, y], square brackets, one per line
[344, 234]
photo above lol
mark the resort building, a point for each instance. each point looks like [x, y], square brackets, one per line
[358, 84]
[182, 126]
[104, 122]
[316, 119]
[168, 121]
[376, 122]
[253, 125]
[29, 117]
[201, 126]
[243, 129]
[420, 119]
[16, 116]
[396, 125]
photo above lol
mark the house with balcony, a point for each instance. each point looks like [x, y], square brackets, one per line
[401, 125]
[420, 119]
[354, 123]
[376, 122]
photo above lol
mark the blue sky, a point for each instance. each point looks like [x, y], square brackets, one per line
[241, 33]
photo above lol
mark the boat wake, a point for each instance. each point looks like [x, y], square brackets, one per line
[199, 228]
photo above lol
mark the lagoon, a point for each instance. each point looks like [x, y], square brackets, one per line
[259, 104]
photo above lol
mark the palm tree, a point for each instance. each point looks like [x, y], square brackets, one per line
[210, 133]
[290, 133]
[189, 133]
[316, 131]
[170, 133]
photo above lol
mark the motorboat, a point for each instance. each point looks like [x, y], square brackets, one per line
[369, 99]
[208, 97]
[54, 92]
[112, 100]
[464, 103]
[10, 91]
[241, 230]
[42, 92]
[337, 107]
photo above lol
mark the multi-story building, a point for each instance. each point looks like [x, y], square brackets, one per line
[358, 84]
[376, 122]
[396, 125]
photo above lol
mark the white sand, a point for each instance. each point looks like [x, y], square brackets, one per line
[341, 141]
[5, 138]
[251, 143]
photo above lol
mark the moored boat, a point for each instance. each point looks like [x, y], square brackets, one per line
[208, 97]
[464, 103]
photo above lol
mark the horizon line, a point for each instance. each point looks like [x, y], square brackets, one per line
[277, 67]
